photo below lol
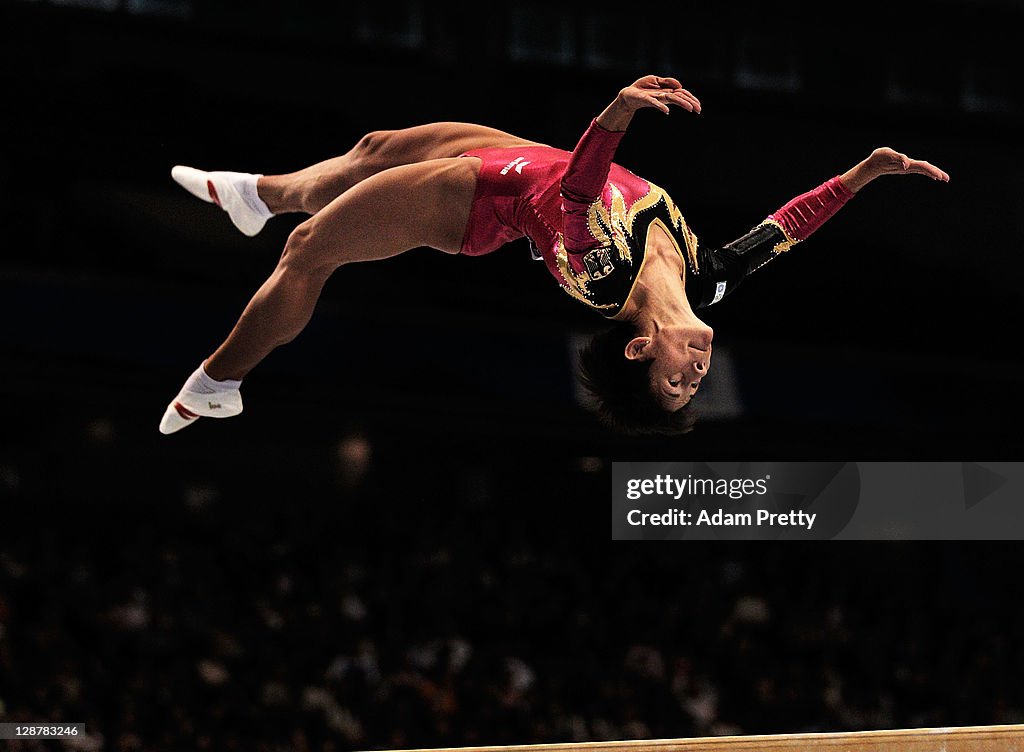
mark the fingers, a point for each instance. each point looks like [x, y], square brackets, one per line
[681, 98]
[662, 91]
[893, 162]
[686, 100]
[654, 101]
[920, 167]
[647, 82]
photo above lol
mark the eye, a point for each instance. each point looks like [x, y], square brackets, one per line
[675, 382]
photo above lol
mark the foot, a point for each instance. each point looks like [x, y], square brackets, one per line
[201, 397]
[188, 407]
[234, 192]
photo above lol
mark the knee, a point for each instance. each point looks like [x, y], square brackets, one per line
[372, 153]
[373, 143]
[303, 255]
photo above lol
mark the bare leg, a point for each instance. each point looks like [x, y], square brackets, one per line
[422, 204]
[309, 190]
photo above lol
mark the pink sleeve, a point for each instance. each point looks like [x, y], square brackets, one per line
[583, 183]
[809, 211]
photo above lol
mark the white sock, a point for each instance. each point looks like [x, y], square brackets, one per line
[245, 184]
[201, 383]
[234, 192]
[202, 396]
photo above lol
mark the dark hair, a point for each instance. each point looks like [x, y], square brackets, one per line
[621, 388]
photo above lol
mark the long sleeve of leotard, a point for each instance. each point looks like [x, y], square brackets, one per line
[583, 183]
[723, 269]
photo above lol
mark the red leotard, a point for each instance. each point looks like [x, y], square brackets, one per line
[578, 209]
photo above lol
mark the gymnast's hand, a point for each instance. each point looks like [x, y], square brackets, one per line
[886, 161]
[658, 92]
[650, 91]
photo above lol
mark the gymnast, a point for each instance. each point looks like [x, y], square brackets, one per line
[614, 241]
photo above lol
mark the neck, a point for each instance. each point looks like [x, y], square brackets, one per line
[659, 298]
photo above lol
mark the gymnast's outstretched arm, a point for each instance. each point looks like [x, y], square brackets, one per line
[587, 171]
[723, 269]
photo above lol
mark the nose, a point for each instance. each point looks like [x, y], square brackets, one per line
[701, 340]
[706, 339]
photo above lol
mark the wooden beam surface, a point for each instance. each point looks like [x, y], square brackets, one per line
[959, 739]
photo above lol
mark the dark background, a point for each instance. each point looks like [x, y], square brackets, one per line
[421, 449]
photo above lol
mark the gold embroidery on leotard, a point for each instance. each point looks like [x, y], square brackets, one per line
[610, 227]
[575, 284]
[783, 245]
[613, 227]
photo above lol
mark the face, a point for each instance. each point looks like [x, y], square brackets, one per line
[680, 357]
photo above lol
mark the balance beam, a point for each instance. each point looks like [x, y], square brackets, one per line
[962, 739]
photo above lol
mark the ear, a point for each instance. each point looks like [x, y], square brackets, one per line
[637, 349]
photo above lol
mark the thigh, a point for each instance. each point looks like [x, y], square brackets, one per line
[410, 206]
[439, 141]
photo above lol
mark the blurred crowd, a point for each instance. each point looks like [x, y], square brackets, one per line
[460, 603]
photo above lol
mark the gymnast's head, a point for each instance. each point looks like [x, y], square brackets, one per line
[643, 383]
